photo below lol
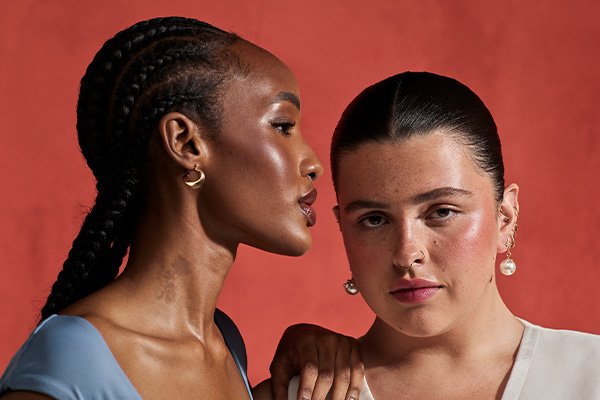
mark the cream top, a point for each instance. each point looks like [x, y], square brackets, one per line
[551, 365]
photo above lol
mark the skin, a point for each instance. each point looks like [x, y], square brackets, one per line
[409, 225]
[331, 366]
[157, 316]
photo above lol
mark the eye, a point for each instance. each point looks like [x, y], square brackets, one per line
[372, 221]
[284, 127]
[442, 213]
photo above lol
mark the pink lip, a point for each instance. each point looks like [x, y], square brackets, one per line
[413, 291]
[305, 203]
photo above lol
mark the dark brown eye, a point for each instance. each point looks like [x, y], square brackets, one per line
[283, 127]
[372, 221]
[442, 213]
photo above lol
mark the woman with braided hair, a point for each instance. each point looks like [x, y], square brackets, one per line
[193, 137]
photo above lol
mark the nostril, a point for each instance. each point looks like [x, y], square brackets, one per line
[312, 176]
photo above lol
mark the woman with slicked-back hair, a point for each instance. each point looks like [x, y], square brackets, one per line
[192, 134]
[425, 212]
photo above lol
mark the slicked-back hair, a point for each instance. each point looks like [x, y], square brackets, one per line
[143, 72]
[417, 103]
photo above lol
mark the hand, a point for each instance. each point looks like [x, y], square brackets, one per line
[325, 360]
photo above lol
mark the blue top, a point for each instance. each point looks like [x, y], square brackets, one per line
[67, 358]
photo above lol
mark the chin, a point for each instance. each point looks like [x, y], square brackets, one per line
[292, 244]
[421, 326]
[296, 249]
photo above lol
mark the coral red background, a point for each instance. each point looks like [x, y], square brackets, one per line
[536, 66]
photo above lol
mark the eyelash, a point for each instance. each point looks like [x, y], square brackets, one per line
[367, 224]
[451, 213]
[363, 221]
[283, 127]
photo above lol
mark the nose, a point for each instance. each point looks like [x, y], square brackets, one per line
[409, 253]
[310, 166]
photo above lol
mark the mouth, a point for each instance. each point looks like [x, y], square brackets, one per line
[305, 202]
[413, 291]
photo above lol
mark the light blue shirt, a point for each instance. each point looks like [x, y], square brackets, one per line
[67, 358]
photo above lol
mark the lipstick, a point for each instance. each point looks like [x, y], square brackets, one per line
[305, 203]
[413, 291]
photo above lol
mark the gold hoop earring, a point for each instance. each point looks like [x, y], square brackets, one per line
[194, 178]
[350, 287]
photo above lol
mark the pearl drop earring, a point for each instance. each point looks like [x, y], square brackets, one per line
[508, 266]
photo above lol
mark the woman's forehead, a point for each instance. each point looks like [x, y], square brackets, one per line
[407, 167]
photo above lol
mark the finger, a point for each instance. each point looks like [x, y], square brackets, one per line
[341, 378]
[282, 371]
[308, 361]
[327, 348]
[357, 374]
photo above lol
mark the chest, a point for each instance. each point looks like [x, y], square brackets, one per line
[194, 381]
[481, 384]
[175, 370]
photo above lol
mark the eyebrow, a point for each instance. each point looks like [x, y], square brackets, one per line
[361, 204]
[438, 193]
[417, 199]
[287, 96]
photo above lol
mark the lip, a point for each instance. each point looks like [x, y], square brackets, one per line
[305, 203]
[412, 291]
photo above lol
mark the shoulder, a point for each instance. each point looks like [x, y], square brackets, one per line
[569, 346]
[564, 364]
[65, 357]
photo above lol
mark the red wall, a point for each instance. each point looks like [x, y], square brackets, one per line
[536, 67]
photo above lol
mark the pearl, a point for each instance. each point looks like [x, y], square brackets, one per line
[508, 267]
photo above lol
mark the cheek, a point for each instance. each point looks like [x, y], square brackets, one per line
[472, 247]
[367, 258]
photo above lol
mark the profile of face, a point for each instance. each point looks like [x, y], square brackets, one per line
[260, 172]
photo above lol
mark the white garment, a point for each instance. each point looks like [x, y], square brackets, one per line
[550, 365]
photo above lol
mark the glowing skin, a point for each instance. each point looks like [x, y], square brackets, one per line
[157, 317]
[261, 168]
[426, 195]
[422, 229]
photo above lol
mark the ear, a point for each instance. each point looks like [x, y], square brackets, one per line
[182, 139]
[336, 213]
[508, 213]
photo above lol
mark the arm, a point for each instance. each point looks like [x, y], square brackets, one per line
[325, 360]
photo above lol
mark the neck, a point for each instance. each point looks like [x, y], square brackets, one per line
[487, 331]
[174, 273]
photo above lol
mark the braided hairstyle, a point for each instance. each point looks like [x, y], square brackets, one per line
[153, 67]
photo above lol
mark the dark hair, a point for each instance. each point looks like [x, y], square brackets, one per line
[149, 69]
[416, 103]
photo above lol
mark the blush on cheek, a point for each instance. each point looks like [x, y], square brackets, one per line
[468, 246]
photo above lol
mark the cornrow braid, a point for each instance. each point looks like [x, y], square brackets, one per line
[153, 67]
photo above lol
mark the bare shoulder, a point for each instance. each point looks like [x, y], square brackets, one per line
[21, 395]
[262, 391]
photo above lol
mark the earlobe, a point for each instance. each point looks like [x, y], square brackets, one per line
[181, 139]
